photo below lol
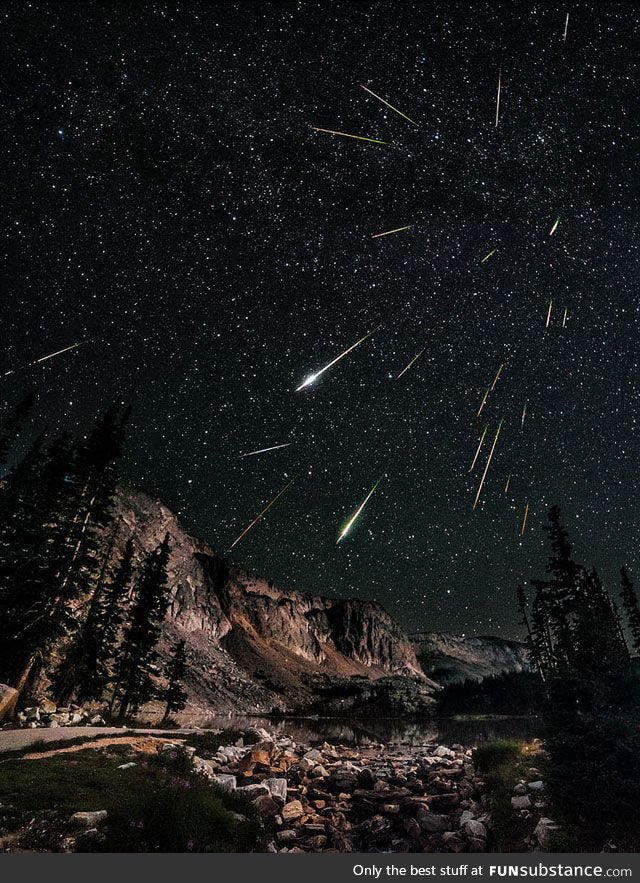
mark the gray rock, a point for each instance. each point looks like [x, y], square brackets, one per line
[89, 819]
[277, 788]
[474, 828]
[544, 830]
[223, 782]
[521, 802]
[432, 822]
[443, 751]
[253, 791]
[536, 786]
[313, 755]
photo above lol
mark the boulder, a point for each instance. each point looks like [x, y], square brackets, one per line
[431, 822]
[253, 791]
[536, 786]
[277, 788]
[544, 831]
[89, 819]
[520, 802]
[292, 811]
[225, 783]
[474, 828]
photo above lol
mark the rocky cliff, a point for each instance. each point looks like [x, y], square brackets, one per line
[448, 659]
[254, 647]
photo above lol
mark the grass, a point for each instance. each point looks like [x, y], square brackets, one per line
[503, 764]
[158, 805]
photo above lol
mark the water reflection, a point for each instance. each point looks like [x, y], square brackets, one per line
[468, 732]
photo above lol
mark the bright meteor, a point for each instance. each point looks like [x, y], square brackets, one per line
[555, 226]
[345, 530]
[412, 362]
[387, 232]
[313, 377]
[261, 514]
[264, 450]
[347, 135]
[480, 443]
[498, 97]
[390, 106]
[45, 358]
[486, 257]
[486, 468]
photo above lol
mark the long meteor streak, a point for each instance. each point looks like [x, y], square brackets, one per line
[564, 317]
[486, 257]
[524, 520]
[566, 28]
[549, 313]
[555, 226]
[412, 362]
[45, 358]
[524, 414]
[486, 468]
[345, 530]
[313, 377]
[390, 106]
[387, 232]
[347, 135]
[264, 450]
[480, 443]
[482, 403]
[261, 514]
[498, 97]
[497, 377]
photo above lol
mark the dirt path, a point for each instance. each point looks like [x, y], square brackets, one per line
[140, 744]
[18, 740]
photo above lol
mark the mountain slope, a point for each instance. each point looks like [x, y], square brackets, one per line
[448, 658]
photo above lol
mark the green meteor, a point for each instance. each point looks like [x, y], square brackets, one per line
[345, 530]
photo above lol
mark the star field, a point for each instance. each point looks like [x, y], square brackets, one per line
[167, 200]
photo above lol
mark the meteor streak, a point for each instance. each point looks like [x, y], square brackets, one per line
[486, 257]
[524, 414]
[261, 514]
[412, 362]
[564, 318]
[473, 462]
[498, 97]
[482, 403]
[486, 468]
[497, 377]
[347, 135]
[555, 226]
[387, 232]
[566, 28]
[524, 520]
[264, 450]
[313, 377]
[506, 487]
[45, 358]
[390, 106]
[549, 313]
[345, 530]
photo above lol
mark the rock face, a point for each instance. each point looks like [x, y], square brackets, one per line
[449, 659]
[254, 647]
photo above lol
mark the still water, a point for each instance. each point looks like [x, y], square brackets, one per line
[352, 731]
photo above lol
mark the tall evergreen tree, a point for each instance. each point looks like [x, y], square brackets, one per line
[174, 693]
[11, 426]
[138, 654]
[631, 608]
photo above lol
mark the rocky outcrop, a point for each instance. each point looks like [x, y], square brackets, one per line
[253, 646]
[450, 659]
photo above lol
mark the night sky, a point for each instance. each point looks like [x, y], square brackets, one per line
[167, 203]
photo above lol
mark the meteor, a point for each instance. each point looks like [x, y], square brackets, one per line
[482, 403]
[388, 232]
[264, 450]
[473, 462]
[498, 97]
[549, 313]
[566, 28]
[313, 377]
[412, 362]
[45, 358]
[496, 378]
[506, 487]
[390, 106]
[524, 414]
[564, 318]
[524, 520]
[555, 226]
[345, 530]
[486, 468]
[486, 257]
[261, 514]
[347, 135]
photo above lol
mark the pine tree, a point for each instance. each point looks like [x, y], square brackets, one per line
[138, 655]
[631, 608]
[11, 426]
[174, 693]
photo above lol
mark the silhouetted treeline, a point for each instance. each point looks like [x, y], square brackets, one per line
[509, 693]
[73, 608]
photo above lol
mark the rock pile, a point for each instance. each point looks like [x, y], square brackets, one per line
[365, 799]
[48, 715]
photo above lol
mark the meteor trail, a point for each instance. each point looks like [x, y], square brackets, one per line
[264, 450]
[347, 135]
[486, 257]
[45, 358]
[412, 362]
[524, 414]
[264, 512]
[566, 28]
[549, 313]
[387, 232]
[345, 530]
[313, 377]
[555, 226]
[390, 106]
[486, 468]
[498, 96]
[506, 487]
[564, 318]
[497, 377]
[483, 401]
[473, 462]
[524, 520]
